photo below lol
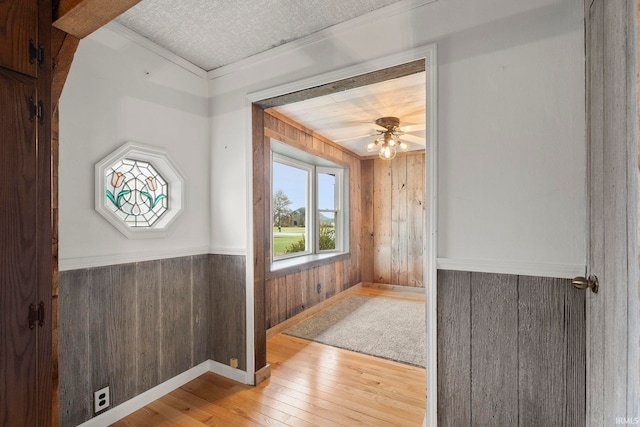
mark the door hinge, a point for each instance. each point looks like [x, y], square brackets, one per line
[36, 315]
[33, 51]
[36, 110]
[41, 314]
[36, 53]
[33, 316]
[40, 112]
[33, 109]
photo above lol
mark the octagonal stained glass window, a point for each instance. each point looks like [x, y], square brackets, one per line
[137, 192]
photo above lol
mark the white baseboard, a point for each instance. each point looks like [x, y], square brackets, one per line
[228, 372]
[559, 271]
[130, 406]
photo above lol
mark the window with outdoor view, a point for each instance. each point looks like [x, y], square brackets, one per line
[328, 203]
[307, 202]
[290, 206]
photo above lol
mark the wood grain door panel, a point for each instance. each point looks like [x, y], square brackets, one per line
[18, 278]
[18, 25]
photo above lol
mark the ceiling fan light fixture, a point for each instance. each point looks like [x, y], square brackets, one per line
[390, 139]
[387, 152]
[388, 142]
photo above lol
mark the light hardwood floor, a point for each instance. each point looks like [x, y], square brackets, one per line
[311, 385]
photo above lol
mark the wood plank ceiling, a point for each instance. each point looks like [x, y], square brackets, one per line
[348, 117]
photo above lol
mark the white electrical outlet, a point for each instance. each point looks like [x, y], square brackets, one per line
[101, 399]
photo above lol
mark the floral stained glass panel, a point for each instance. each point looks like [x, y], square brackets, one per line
[136, 192]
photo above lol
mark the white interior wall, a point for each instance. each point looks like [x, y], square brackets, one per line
[510, 120]
[511, 124]
[118, 91]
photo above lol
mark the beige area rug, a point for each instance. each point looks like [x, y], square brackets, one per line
[387, 328]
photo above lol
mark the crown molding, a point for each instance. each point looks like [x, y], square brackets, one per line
[375, 15]
[155, 48]
[382, 13]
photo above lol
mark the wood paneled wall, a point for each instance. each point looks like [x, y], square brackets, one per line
[294, 292]
[228, 309]
[393, 220]
[134, 326]
[289, 292]
[511, 350]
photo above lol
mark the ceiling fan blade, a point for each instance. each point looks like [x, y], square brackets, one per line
[406, 128]
[414, 112]
[347, 125]
[414, 139]
[356, 137]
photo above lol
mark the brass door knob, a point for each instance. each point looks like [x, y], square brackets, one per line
[584, 283]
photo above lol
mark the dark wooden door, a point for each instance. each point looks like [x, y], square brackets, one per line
[25, 214]
[19, 27]
[18, 280]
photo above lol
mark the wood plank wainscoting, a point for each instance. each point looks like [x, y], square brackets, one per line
[134, 326]
[511, 350]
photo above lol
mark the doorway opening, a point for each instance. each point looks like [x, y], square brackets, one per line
[269, 122]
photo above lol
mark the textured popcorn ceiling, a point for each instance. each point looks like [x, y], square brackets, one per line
[213, 33]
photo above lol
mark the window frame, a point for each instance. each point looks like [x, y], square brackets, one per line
[315, 165]
[337, 210]
[288, 161]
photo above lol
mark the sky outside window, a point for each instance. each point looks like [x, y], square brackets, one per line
[326, 191]
[292, 182]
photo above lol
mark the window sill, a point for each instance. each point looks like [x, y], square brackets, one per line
[291, 265]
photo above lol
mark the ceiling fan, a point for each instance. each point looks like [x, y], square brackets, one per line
[391, 138]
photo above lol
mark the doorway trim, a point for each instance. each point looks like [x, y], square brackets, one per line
[428, 53]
